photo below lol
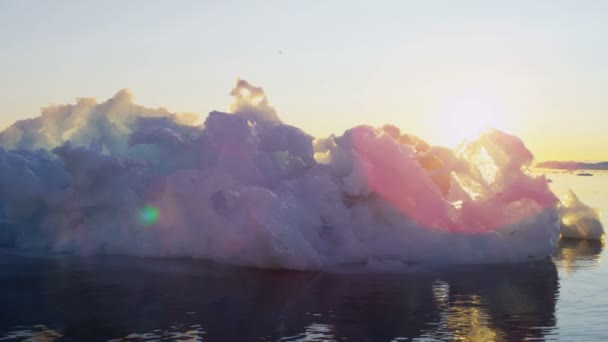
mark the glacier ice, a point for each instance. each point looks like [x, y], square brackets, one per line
[578, 220]
[246, 188]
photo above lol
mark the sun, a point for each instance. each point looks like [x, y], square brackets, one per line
[466, 118]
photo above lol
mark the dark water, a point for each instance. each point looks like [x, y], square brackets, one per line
[129, 299]
[116, 298]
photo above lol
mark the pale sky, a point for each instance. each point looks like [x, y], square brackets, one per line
[438, 69]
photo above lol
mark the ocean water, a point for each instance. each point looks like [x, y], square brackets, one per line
[130, 299]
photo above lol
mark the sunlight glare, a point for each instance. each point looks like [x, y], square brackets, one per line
[466, 119]
[245, 92]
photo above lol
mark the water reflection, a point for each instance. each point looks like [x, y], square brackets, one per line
[495, 303]
[577, 254]
[192, 333]
[35, 333]
[137, 299]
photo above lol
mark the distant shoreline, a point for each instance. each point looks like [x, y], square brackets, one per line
[572, 165]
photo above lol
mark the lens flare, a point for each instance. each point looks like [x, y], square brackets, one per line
[148, 215]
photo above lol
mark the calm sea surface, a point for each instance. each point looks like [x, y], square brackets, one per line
[132, 299]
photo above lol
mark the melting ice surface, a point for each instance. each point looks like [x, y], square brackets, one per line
[245, 188]
[578, 220]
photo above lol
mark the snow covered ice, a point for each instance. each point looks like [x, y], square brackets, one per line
[245, 188]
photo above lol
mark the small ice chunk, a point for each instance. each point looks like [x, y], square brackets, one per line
[579, 220]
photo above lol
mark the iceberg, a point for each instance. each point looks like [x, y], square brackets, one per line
[246, 188]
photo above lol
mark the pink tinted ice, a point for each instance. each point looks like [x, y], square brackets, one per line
[245, 188]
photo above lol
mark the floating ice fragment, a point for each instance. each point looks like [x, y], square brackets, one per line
[578, 220]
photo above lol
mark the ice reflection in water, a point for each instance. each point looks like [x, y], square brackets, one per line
[314, 332]
[193, 333]
[35, 334]
[126, 299]
[575, 254]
